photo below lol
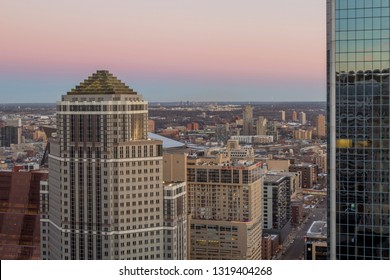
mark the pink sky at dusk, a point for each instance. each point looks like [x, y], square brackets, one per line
[165, 49]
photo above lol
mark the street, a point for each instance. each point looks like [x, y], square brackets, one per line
[294, 246]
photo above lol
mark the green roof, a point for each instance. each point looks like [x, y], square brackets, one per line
[102, 82]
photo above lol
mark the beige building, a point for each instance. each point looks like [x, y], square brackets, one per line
[247, 128]
[303, 134]
[105, 193]
[261, 126]
[278, 164]
[302, 118]
[321, 128]
[175, 221]
[225, 208]
[320, 159]
[174, 166]
[294, 116]
[282, 116]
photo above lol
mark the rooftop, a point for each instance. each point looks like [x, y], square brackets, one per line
[102, 82]
[317, 230]
[167, 142]
[273, 178]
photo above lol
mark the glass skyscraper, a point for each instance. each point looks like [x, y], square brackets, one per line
[358, 128]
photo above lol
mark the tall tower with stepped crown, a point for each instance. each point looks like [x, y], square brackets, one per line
[105, 193]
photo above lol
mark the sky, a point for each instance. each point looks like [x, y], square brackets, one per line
[171, 50]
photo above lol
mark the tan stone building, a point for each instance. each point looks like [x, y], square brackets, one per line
[105, 192]
[225, 208]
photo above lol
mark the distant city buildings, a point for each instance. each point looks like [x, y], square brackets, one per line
[294, 116]
[151, 126]
[321, 128]
[130, 229]
[193, 126]
[248, 120]
[282, 116]
[303, 134]
[10, 132]
[302, 118]
[254, 139]
[261, 126]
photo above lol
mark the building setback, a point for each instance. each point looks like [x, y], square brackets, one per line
[105, 194]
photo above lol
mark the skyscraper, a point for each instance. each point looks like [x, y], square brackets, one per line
[248, 120]
[321, 129]
[294, 116]
[105, 193]
[282, 115]
[358, 40]
[261, 126]
[10, 132]
[302, 118]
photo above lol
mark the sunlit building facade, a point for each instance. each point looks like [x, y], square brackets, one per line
[225, 208]
[358, 128]
[105, 194]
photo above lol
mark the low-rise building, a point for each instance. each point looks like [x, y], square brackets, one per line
[316, 241]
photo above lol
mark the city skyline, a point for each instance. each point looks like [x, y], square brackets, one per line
[175, 51]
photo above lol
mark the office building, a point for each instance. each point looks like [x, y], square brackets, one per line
[358, 131]
[296, 212]
[175, 221]
[105, 194]
[19, 212]
[309, 173]
[236, 152]
[302, 118]
[10, 132]
[294, 116]
[276, 202]
[320, 125]
[248, 120]
[254, 139]
[303, 134]
[261, 126]
[222, 132]
[151, 126]
[320, 159]
[282, 116]
[225, 208]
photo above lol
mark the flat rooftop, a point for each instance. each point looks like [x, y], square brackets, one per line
[273, 178]
[318, 229]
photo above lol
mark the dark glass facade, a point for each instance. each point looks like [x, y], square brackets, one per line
[358, 96]
[19, 214]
